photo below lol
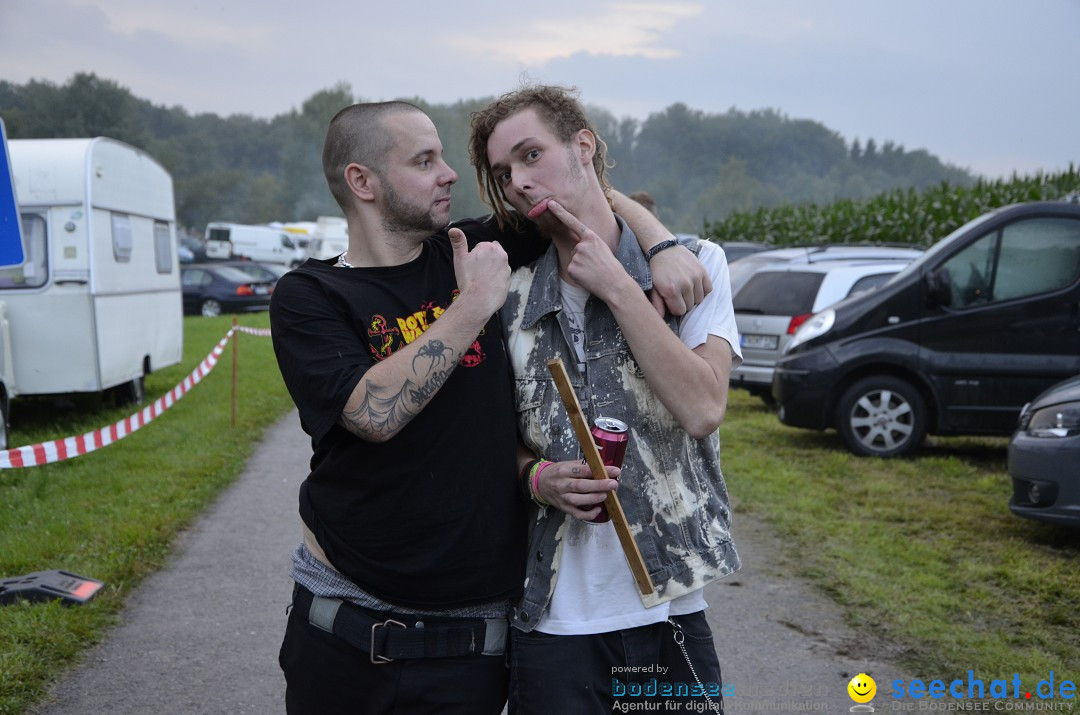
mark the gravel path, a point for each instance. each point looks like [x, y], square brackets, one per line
[202, 635]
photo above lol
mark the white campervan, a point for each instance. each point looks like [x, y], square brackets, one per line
[97, 304]
[257, 243]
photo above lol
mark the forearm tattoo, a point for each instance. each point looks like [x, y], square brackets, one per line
[385, 410]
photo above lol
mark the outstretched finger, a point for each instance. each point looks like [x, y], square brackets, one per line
[571, 221]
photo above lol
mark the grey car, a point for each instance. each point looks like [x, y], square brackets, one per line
[1044, 457]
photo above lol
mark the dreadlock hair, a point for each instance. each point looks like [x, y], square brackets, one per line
[558, 108]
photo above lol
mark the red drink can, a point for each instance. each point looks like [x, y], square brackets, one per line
[611, 437]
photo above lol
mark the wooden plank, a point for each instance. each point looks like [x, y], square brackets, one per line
[596, 466]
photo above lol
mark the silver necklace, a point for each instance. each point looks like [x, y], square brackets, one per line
[342, 263]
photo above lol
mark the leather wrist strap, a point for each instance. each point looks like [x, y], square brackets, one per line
[660, 247]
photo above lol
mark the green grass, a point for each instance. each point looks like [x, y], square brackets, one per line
[113, 514]
[922, 553]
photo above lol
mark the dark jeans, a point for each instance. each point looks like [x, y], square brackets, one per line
[572, 675]
[325, 675]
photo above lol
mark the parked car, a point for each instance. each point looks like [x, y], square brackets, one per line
[211, 289]
[1044, 457]
[780, 297]
[741, 270]
[956, 343]
[736, 250]
[260, 271]
[192, 250]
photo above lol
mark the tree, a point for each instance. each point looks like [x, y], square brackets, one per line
[301, 154]
[697, 165]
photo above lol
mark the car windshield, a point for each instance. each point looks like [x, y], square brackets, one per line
[940, 245]
[258, 271]
[235, 275]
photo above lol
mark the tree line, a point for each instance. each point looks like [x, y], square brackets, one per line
[700, 167]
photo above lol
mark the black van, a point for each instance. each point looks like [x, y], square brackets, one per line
[956, 343]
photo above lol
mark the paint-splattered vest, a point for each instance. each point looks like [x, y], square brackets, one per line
[671, 488]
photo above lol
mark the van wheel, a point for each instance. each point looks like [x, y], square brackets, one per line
[210, 308]
[881, 416]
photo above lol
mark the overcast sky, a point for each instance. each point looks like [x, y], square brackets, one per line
[986, 85]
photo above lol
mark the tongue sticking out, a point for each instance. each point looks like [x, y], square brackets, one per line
[538, 209]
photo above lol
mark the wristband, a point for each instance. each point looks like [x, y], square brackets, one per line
[525, 476]
[526, 471]
[660, 247]
[534, 482]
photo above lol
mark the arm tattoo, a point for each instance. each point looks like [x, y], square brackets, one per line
[426, 390]
[384, 410]
[435, 351]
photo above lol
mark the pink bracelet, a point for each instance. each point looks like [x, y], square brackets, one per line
[535, 482]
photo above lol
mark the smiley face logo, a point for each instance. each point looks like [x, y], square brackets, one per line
[862, 688]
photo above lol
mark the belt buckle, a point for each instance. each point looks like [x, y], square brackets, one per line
[382, 659]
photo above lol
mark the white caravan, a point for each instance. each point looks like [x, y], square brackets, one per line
[96, 306]
[257, 243]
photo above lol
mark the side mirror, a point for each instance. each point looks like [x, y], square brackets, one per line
[938, 288]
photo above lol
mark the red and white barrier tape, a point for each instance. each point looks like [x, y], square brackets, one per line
[261, 332]
[58, 450]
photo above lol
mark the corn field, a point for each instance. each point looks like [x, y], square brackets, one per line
[899, 216]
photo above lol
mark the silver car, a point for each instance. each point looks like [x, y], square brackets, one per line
[746, 266]
[780, 297]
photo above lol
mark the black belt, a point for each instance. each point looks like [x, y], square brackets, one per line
[387, 637]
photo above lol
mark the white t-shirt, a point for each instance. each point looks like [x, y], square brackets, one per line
[595, 591]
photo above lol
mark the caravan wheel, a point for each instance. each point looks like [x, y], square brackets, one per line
[3, 424]
[130, 393]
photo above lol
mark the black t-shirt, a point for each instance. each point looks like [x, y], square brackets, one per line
[430, 518]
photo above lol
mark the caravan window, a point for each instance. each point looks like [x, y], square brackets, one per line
[163, 254]
[121, 237]
[33, 273]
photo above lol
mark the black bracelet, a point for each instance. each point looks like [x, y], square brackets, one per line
[660, 247]
[527, 468]
[523, 479]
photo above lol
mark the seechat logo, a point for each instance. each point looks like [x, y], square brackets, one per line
[975, 688]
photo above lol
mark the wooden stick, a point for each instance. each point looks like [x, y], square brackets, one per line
[596, 465]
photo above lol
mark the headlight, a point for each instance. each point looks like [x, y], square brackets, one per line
[1055, 421]
[817, 325]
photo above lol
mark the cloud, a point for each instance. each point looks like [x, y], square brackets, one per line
[621, 29]
[193, 28]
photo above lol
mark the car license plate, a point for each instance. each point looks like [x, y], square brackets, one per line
[760, 342]
[261, 290]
